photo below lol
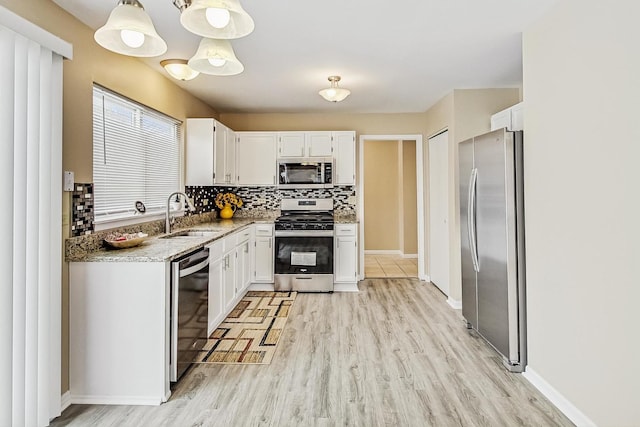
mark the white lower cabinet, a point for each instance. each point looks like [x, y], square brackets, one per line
[119, 333]
[345, 253]
[216, 280]
[243, 259]
[229, 274]
[262, 259]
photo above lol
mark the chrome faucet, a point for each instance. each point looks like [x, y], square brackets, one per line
[167, 225]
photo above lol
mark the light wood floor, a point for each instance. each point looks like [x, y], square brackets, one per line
[393, 354]
[378, 266]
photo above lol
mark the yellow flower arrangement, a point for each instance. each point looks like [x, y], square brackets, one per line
[223, 199]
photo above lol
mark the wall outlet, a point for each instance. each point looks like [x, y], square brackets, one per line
[352, 200]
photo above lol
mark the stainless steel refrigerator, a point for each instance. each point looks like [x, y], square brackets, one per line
[492, 242]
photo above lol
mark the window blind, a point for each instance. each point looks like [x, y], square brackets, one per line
[136, 156]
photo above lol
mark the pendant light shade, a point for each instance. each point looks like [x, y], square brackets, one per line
[217, 19]
[216, 57]
[179, 69]
[129, 31]
[334, 93]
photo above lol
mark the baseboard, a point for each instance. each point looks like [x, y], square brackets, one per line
[345, 287]
[410, 256]
[562, 403]
[425, 278]
[116, 400]
[261, 287]
[65, 400]
[382, 252]
[454, 303]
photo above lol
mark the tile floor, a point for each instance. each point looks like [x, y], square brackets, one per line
[376, 266]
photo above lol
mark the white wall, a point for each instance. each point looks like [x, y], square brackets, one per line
[582, 151]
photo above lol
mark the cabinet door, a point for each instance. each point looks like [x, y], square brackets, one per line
[216, 300]
[220, 143]
[346, 259]
[229, 289]
[319, 144]
[345, 158]
[199, 154]
[517, 117]
[263, 260]
[243, 271]
[256, 154]
[230, 157]
[291, 144]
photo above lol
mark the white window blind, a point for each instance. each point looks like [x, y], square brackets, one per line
[136, 156]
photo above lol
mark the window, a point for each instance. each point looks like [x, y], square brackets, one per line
[136, 156]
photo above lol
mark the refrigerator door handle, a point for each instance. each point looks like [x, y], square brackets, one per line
[471, 219]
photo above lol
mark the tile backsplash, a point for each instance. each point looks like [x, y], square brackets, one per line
[260, 199]
[82, 209]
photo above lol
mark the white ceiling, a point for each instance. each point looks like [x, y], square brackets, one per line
[395, 56]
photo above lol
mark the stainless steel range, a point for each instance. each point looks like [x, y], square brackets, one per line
[304, 246]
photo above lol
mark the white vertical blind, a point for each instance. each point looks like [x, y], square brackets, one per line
[136, 155]
[30, 265]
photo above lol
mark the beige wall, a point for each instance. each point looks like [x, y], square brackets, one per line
[363, 124]
[582, 145]
[90, 64]
[382, 200]
[409, 199]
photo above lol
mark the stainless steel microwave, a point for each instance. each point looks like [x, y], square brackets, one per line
[305, 173]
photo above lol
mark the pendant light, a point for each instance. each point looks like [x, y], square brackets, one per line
[216, 57]
[129, 31]
[179, 69]
[334, 93]
[217, 19]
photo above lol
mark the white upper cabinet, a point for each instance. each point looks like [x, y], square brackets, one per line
[319, 144]
[510, 118]
[305, 144]
[199, 152]
[256, 153]
[225, 155]
[291, 144]
[345, 158]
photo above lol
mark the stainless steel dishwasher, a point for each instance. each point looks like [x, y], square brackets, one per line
[189, 310]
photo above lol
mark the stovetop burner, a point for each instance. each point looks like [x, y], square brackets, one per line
[305, 214]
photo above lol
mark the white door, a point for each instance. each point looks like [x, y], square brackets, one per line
[439, 211]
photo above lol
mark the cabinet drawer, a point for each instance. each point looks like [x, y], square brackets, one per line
[216, 249]
[264, 230]
[242, 235]
[345, 229]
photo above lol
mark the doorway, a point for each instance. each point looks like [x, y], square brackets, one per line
[390, 203]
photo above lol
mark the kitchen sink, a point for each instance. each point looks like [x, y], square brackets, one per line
[191, 233]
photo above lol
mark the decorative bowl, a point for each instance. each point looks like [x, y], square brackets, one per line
[125, 240]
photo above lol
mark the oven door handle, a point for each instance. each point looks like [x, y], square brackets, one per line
[193, 269]
[304, 233]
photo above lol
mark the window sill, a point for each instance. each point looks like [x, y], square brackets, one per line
[125, 220]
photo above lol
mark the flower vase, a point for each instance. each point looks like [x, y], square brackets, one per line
[227, 212]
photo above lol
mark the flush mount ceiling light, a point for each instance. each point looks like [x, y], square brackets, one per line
[179, 69]
[216, 57]
[334, 93]
[217, 19]
[129, 31]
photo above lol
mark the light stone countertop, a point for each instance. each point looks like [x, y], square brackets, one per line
[345, 219]
[157, 249]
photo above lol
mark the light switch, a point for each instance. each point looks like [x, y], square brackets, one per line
[68, 181]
